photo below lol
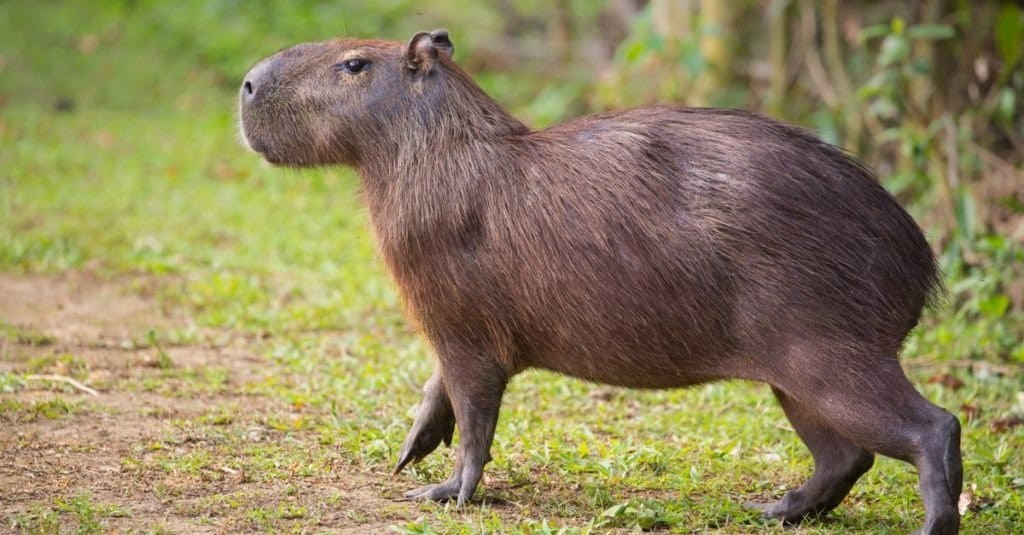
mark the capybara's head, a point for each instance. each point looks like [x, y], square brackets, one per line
[330, 102]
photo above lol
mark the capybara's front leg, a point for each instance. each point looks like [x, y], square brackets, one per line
[475, 386]
[434, 423]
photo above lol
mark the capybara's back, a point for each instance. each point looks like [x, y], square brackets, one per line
[664, 246]
[652, 248]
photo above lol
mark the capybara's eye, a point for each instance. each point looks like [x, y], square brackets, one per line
[352, 66]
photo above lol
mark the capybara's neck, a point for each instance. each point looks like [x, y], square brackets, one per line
[432, 200]
[426, 181]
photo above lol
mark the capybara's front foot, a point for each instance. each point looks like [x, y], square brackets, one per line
[438, 492]
[435, 423]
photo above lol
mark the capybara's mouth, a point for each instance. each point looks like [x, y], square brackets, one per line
[267, 155]
[258, 147]
[243, 135]
[275, 157]
[270, 151]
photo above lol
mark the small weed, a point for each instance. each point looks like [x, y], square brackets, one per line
[11, 382]
[291, 512]
[222, 416]
[419, 527]
[635, 514]
[60, 364]
[192, 463]
[81, 510]
[163, 360]
[268, 519]
[14, 411]
[87, 513]
[22, 336]
[224, 504]
[38, 519]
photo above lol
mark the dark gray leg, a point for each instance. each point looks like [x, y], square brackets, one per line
[434, 423]
[872, 404]
[838, 463]
[475, 388]
[939, 467]
[929, 438]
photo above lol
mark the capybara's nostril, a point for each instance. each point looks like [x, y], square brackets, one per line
[255, 82]
[248, 90]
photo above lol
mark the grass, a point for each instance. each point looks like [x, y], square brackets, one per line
[123, 186]
[14, 411]
[24, 336]
[86, 513]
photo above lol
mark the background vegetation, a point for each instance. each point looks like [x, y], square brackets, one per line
[119, 157]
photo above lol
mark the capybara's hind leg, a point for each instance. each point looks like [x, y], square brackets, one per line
[876, 407]
[838, 463]
[940, 470]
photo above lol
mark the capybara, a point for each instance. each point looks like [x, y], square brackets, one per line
[652, 248]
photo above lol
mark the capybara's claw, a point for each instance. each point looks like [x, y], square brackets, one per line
[423, 439]
[435, 423]
[438, 492]
[404, 457]
[768, 510]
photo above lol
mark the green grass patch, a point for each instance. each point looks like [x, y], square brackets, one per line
[19, 335]
[79, 513]
[15, 411]
[60, 364]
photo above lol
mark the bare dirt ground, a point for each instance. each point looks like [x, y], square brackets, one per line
[152, 451]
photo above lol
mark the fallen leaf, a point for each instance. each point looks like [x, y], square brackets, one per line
[1002, 425]
[947, 381]
[971, 412]
[964, 504]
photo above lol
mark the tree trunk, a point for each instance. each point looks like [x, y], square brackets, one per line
[716, 19]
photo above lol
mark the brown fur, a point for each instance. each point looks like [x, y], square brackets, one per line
[656, 247]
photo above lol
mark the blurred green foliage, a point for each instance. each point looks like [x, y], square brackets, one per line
[928, 95]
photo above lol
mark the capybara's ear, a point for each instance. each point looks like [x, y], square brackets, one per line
[422, 51]
[442, 43]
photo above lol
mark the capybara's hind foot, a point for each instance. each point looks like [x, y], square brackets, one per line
[792, 509]
[768, 510]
